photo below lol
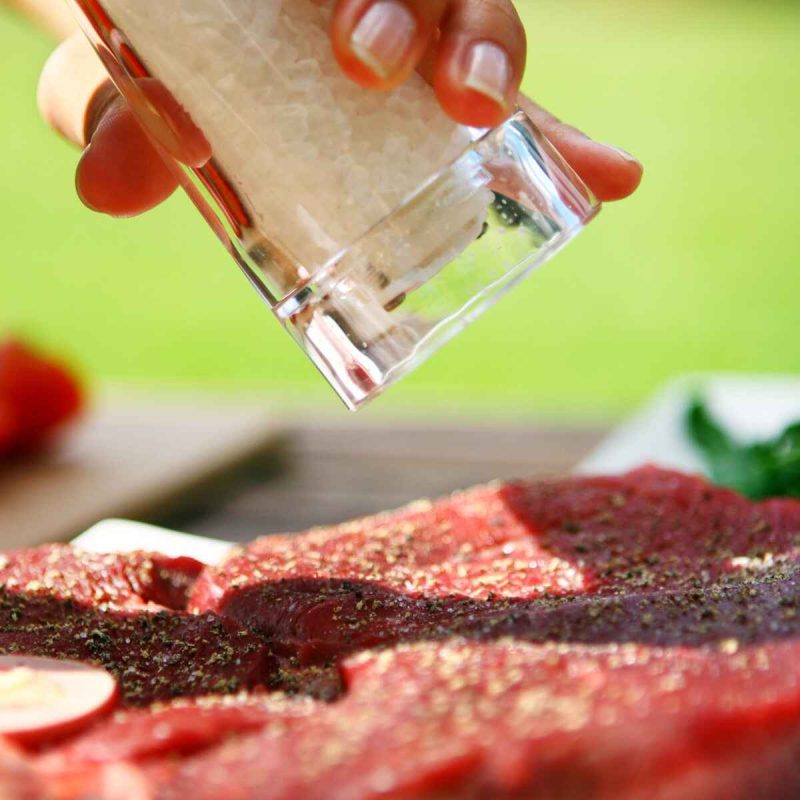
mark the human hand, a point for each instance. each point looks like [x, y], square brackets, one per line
[472, 52]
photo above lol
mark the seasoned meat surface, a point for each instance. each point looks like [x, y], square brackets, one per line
[590, 638]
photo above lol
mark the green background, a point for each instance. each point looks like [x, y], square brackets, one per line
[699, 271]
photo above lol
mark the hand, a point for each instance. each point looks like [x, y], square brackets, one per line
[472, 51]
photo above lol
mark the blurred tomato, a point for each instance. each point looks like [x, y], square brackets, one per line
[37, 397]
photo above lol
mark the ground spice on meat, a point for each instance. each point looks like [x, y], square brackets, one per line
[628, 637]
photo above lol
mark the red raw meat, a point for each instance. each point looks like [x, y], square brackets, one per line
[634, 638]
[183, 727]
[114, 610]
[417, 550]
[646, 530]
[469, 720]
[653, 529]
[19, 779]
[37, 397]
[329, 592]
[510, 720]
[653, 556]
[98, 579]
[154, 655]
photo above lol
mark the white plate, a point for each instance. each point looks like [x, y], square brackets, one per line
[122, 536]
[750, 408]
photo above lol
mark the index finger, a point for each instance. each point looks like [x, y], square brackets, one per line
[610, 172]
[379, 43]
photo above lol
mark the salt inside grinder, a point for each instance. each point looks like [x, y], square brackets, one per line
[374, 226]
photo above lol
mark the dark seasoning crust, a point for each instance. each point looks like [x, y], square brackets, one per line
[96, 608]
[511, 621]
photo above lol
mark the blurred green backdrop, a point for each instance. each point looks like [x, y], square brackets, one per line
[698, 272]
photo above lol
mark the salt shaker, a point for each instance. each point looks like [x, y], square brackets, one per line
[374, 226]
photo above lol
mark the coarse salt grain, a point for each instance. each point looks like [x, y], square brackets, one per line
[315, 159]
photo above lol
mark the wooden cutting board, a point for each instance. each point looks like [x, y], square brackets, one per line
[132, 457]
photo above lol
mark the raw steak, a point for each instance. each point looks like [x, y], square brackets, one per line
[387, 578]
[154, 656]
[181, 727]
[649, 529]
[109, 609]
[511, 720]
[652, 556]
[633, 638]
[114, 581]
[130, 755]
[19, 778]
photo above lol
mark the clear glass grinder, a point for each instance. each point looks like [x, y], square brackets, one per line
[374, 226]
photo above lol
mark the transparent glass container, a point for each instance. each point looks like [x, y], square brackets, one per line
[374, 227]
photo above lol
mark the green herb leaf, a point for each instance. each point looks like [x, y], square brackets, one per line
[764, 469]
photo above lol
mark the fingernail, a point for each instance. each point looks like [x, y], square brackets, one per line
[383, 38]
[626, 155]
[489, 71]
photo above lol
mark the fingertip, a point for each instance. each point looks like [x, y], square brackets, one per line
[379, 43]
[120, 173]
[355, 69]
[476, 81]
[623, 178]
[610, 172]
[480, 61]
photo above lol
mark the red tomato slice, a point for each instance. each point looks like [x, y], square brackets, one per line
[44, 698]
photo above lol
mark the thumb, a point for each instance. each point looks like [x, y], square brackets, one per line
[74, 90]
[120, 172]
